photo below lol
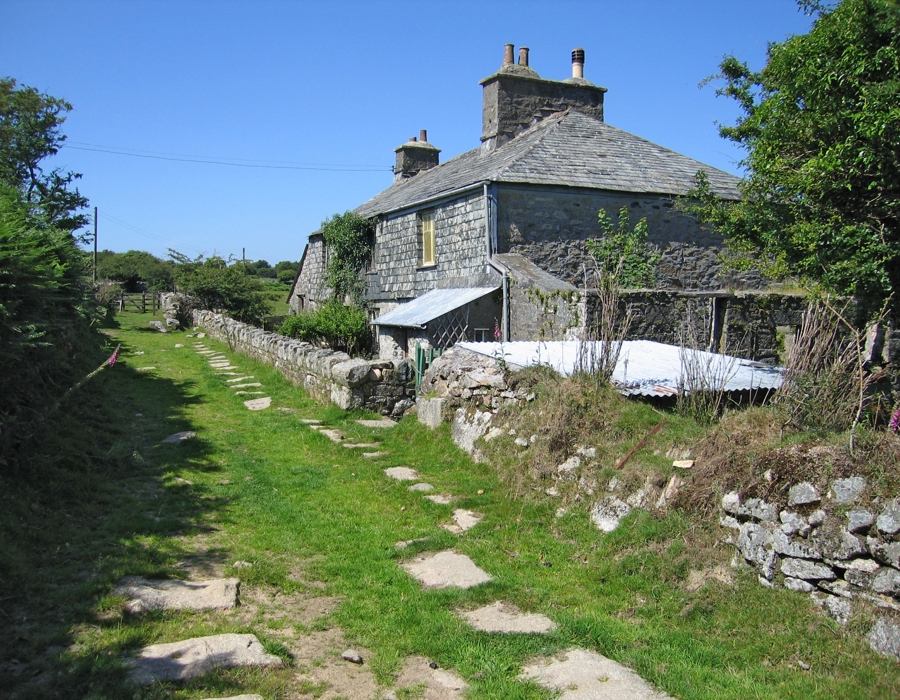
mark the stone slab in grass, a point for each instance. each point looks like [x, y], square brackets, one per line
[249, 393]
[145, 594]
[402, 473]
[225, 374]
[587, 675]
[239, 379]
[442, 499]
[375, 455]
[180, 661]
[463, 520]
[366, 445]
[258, 404]
[445, 570]
[145, 369]
[421, 487]
[246, 385]
[383, 423]
[181, 437]
[311, 421]
[332, 434]
[506, 618]
[240, 697]
[226, 367]
[417, 679]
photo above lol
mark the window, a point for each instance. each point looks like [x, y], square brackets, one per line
[426, 238]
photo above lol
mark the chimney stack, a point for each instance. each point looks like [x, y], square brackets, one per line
[516, 97]
[523, 56]
[414, 156]
[578, 63]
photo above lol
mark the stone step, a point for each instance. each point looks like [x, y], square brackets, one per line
[507, 618]
[180, 661]
[586, 675]
[446, 569]
[148, 594]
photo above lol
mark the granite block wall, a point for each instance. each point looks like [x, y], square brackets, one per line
[310, 289]
[549, 225]
[382, 386]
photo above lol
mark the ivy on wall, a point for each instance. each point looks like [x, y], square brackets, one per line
[348, 239]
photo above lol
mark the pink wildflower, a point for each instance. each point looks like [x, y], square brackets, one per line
[115, 356]
[496, 330]
[894, 425]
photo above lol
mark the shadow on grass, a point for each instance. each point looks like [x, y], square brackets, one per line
[90, 499]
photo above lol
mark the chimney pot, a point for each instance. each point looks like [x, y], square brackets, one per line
[412, 138]
[508, 54]
[523, 56]
[423, 135]
[578, 63]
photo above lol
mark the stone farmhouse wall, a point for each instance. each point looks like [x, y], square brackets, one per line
[460, 252]
[755, 326]
[309, 289]
[549, 225]
[381, 386]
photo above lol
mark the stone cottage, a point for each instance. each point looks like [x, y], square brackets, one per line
[491, 242]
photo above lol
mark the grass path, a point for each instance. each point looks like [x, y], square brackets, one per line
[318, 523]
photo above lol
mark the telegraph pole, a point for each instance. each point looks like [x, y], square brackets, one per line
[95, 245]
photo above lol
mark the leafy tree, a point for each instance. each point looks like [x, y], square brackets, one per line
[30, 132]
[287, 276]
[134, 267]
[622, 253]
[821, 129]
[46, 310]
[218, 286]
[286, 271]
[287, 265]
[348, 238]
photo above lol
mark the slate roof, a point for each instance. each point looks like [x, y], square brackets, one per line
[568, 149]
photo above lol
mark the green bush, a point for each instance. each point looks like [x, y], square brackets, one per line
[333, 324]
[47, 342]
[220, 287]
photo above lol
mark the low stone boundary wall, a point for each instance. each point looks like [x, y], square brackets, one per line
[832, 542]
[382, 386]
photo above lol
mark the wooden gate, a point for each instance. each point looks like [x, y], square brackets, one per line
[140, 303]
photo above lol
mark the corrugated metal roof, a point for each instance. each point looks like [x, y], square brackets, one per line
[437, 302]
[645, 367]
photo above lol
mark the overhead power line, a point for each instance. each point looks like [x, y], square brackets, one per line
[214, 160]
[142, 232]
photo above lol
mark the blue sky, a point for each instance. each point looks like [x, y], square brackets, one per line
[326, 90]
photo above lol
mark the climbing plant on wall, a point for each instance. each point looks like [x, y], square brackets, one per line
[622, 253]
[348, 239]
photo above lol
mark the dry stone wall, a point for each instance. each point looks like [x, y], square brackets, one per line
[381, 385]
[836, 544]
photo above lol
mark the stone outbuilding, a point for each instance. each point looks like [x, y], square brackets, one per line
[511, 217]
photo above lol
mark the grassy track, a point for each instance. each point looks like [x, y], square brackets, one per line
[263, 488]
